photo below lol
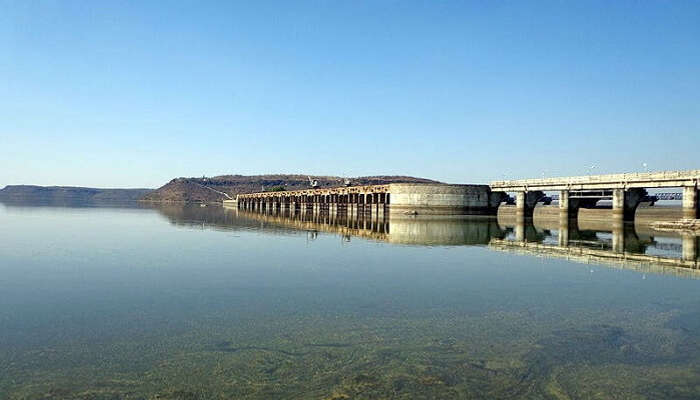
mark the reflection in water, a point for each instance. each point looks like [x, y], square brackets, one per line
[589, 241]
[182, 302]
[602, 241]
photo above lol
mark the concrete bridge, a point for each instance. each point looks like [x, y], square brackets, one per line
[395, 198]
[625, 190]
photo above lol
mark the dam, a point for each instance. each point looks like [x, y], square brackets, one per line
[625, 191]
[395, 198]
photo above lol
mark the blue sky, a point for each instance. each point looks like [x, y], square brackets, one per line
[134, 93]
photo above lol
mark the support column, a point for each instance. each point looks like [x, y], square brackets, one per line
[618, 235]
[690, 202]
[333, 205]
[564, 229]
[618, 204]
[564, 210]
[625, 203]
[520, 229]
[520, 204]
[690, 247]
[525, 202]
[316, 201]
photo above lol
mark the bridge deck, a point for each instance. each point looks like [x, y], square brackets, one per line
[612, 181]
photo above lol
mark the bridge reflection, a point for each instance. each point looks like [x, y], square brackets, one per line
[633, 246]
[600, 241]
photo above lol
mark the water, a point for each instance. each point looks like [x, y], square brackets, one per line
[179, 302]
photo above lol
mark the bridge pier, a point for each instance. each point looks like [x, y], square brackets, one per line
[564, 212]
[525, 203]
[690, 202]
[618, 236]
[564, 229]
[690, 247]
[625, 203]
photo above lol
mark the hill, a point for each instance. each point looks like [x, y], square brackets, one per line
[215, 189]
[69, 194]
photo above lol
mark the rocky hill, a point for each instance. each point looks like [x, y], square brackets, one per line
[215, 189]
[69, 194]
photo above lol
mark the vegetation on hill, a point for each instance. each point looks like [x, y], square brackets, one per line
[215, 189]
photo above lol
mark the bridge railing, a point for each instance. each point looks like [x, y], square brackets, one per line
[609, 178]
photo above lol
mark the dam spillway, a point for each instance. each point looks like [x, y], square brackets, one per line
[394, 198]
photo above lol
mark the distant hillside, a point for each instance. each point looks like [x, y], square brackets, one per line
[69, 194]
[209, 190]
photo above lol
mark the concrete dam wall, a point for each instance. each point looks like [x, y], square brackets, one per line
[397, 199]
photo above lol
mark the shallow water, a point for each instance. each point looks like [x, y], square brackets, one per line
[181, 302]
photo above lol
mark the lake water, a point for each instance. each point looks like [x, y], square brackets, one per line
[183, 302]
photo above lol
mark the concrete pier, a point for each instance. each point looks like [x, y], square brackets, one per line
[690, 202]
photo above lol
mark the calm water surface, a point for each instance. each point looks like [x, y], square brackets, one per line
[205, 303]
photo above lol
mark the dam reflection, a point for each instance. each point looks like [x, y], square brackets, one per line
[442, 231]
[635, 246]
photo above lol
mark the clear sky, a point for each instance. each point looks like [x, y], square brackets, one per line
[134, 93]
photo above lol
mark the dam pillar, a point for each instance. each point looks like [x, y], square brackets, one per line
[352, 206]
[380, 205]
[333, 205]
[372, 205]
[344, 202]
[690, 202]
[316, 204]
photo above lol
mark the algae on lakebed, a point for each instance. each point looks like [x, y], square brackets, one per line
[478, 356]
